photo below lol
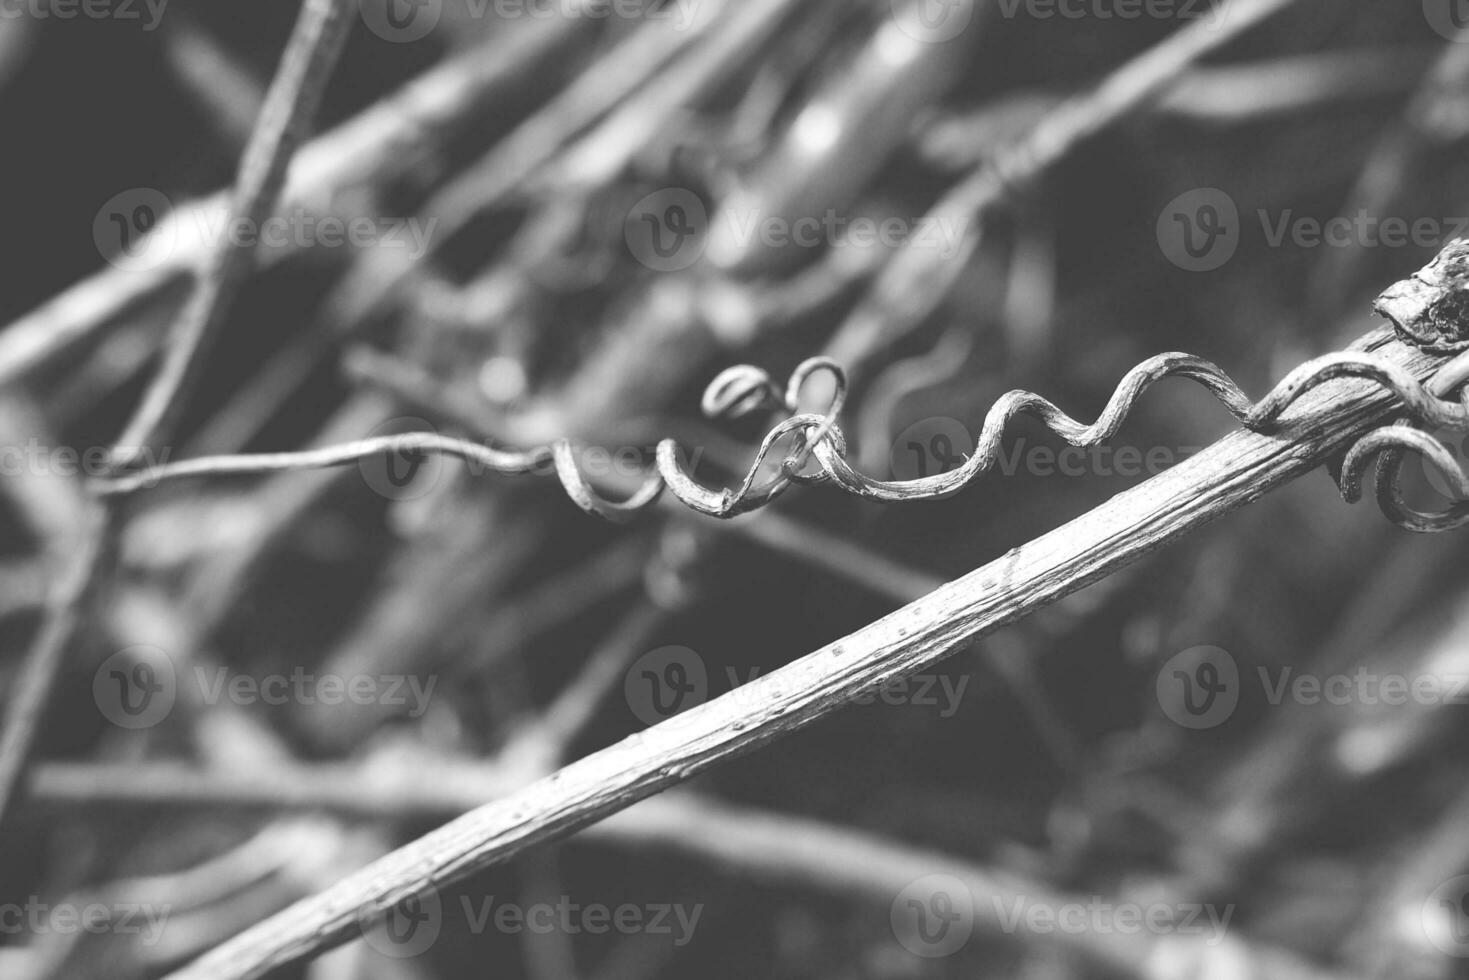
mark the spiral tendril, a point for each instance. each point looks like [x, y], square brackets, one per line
[818, 436]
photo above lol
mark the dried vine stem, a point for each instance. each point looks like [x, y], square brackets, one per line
[1233, 472]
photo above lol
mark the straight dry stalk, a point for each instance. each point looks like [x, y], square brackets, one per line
[1235, 471]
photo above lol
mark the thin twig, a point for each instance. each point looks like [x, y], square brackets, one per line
[754, 843]
[1259, 803]
[1254, 91]
[802, 541]
[543, 744]
[227, 94]
[255, 464]
[290, 109]
[487, 182]
[63, 620]
[512, 623]
[316, 42]
[613, 79]
[276, 507]
[50, 505]
[1233, 472]
[1429, 122]
[916, 280]
[603, 154]
[402, 129]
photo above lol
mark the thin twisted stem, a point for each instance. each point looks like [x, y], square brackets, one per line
[821, 436]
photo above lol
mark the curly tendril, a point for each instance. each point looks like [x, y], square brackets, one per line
[818, 435]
